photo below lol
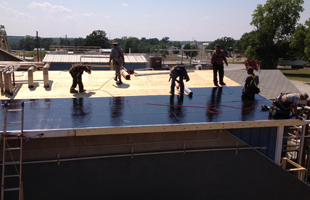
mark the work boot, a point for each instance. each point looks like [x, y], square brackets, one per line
[265, 108]
[215, 84]
[222, 83]
[73, 91]
[81, 91]
[119, 82]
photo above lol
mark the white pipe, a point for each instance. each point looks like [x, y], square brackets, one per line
[188, 91]
[45, 75]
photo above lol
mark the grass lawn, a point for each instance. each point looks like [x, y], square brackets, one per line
[297, 74]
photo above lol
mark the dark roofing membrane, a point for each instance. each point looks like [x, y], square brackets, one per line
[74, 113]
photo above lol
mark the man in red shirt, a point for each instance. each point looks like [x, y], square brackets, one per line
[217, 58]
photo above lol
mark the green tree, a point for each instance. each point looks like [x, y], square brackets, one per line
[176, 45]
[28, 43]
[190, 54]
[163, 46]
[274, 24]
[300, 41]
[132, 44]
[46, 42]
[15, 45]
[242, 43]
[226, 44]
[153, 41]
[97, 38]
[165, 40]
[79, 41]
[63, 42]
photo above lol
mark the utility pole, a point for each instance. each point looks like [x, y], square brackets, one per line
[37, 47]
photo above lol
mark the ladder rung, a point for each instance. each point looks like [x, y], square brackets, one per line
[16, 162]
[17, 122]
[292, 145]
[13, 149]
[11, 176]
[11, 189]
[290, 150]
[17, 134]
[14, 110]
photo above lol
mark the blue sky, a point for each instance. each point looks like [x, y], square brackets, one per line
[201, 20]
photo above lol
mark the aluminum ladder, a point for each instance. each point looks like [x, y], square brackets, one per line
[12, 142]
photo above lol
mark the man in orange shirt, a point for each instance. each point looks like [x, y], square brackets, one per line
[217, 58]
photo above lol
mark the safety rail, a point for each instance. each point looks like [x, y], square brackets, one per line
[74, 48]
[7, 80]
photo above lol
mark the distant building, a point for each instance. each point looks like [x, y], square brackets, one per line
[100, 62]
[205, 45]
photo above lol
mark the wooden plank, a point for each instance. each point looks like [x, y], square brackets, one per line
[185, 127]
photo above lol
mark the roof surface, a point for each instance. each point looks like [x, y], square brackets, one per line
[208, 105]
[271, 82]
[143, 100]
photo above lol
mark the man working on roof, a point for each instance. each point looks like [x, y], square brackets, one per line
[217, 58]
[76, 72]
[250, 87]
[285, 103]
[178, 71]
[117, 56]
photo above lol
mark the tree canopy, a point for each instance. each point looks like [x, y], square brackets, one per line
[97, 38]
[226, 43]
[190, 54]
[300, 41]
[28, 43]
[274, 23]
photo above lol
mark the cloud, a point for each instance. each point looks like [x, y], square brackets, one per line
[107, 16]
[125, 4]
[14, 12]
[70, 17]
[88, 14]
[50, 7]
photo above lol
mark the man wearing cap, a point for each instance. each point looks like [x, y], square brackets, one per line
[250, 87]
[117, 56]
[76, 72]
[287, 102]
[217, 58]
